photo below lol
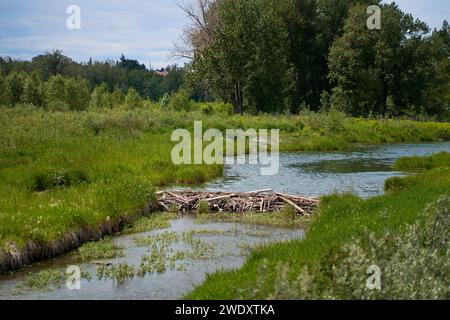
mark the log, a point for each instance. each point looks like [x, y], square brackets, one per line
[219, 198]
[259, 200]
[293, 204]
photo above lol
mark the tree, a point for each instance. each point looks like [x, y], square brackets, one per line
[437, 95]
[179, 101]
[117, 97]
[76, 93]
[245, 62]
[133, 100]
[16, 82]
[5, 92]
[129, 64]
[33, 91]
[52, 63]
[373, 70]
[100, 97]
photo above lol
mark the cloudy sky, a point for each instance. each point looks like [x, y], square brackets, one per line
[145, 30]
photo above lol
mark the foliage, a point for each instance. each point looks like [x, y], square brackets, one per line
[180, 101]
[332, 261]
[62, 171]
[413, 265]
[253, 71]
[414, 164]
[133, 100]
[375, 69]
[100, 250]
[285, 56]
[122, 75]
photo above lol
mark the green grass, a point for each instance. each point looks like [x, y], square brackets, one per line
[342, 220]
[415, 164]
[65, 171]
[45, 280]
[100, 250]
[152, 222]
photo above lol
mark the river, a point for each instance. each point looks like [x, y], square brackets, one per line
[361, 170]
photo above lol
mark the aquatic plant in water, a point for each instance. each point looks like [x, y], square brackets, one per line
[103, 249]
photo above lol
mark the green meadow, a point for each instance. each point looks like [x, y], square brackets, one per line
[404, 233]
[65, 171]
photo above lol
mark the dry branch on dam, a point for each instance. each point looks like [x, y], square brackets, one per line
[256, 201]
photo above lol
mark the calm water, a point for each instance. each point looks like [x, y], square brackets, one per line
[362, 170]
[233, 242]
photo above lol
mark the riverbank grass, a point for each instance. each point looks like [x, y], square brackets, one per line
[64, 173]
[347, 232]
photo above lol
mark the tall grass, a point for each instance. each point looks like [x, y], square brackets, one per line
[62, 171]
[333, 259]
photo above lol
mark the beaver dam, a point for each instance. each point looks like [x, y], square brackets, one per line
[255, 201]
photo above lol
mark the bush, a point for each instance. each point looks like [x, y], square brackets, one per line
[203, 208]
[33, 90]
[46, 180]
[76, 93]
[100, 98]
[133, 100]
[180, 101]
[57, 105]
[54, 90]
[413, 265]
[207, 109]
[164, 103]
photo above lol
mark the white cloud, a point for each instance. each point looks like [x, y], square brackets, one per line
[143, 30]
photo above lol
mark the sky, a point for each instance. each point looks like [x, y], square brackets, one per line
[145, 30]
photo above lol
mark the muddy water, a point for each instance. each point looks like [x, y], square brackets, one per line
[231, 246]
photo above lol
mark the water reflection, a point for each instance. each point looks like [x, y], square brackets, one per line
[231, 242]
[362, 171]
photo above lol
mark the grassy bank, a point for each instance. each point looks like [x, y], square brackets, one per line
[404, 232]
[68, 177]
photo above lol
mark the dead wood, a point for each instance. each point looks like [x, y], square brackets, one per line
[265, 200]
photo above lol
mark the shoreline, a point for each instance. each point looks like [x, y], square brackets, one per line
[16, 258]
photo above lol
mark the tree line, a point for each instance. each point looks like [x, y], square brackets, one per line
[283, 56]
[53, 76]
[263, 56]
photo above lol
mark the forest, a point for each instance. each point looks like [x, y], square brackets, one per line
[262, 56]
[88, 177]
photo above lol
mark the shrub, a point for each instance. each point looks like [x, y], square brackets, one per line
[5, 92]
[180, 101]
[15, 82]
[45, 180]
[413, 265]
[207, 109]
[54, 90]
[203, 208]
[100, 98]
[164, 103]
[76, 93]
[133, 100]
[289, 212]
[33, 90]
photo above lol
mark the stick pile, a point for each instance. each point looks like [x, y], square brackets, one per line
[256, 201]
